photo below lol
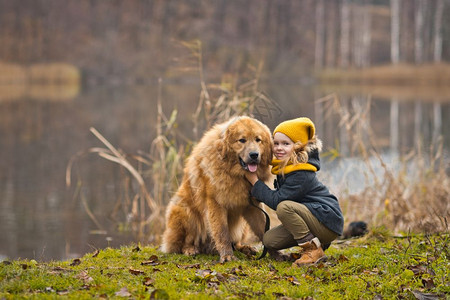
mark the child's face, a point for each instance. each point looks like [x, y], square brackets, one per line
[282, 145]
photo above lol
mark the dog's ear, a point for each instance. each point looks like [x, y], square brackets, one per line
[223, 144]
[268, 154]
[221, 147]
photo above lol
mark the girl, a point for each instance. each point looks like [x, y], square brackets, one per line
[310, 215]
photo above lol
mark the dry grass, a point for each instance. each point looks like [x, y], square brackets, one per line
[408, 193]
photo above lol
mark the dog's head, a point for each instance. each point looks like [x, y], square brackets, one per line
[247, 144]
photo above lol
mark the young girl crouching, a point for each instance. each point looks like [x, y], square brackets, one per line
[310, 215]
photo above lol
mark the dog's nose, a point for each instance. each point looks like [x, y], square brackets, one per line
[254, 155]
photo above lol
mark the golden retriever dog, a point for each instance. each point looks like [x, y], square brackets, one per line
[211, 209]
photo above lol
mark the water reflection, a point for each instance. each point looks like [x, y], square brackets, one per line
[40, 219]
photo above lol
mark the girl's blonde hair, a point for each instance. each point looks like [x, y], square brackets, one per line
[301, 153]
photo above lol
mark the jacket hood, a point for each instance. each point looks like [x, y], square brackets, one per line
[313, 147]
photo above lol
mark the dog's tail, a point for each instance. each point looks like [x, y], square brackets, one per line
[174, 235]
[172, 241]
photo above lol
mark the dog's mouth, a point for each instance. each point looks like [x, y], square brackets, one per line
[251, 166]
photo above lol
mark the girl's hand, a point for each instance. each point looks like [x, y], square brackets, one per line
[251, 177]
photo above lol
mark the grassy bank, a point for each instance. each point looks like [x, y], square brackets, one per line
[371, 267]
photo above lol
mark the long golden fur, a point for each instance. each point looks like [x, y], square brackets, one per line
[207, 213]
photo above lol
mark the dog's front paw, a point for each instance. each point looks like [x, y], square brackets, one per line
[190, 251]
[247, 250]
[225, 258]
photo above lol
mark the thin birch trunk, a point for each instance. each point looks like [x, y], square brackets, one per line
[345, 34]
[320, 33]
[395, 31]
[419, 30]
[437, 51]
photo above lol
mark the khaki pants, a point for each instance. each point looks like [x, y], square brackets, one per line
[296, 222]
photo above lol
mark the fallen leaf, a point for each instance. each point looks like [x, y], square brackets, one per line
[193, 266]
[204, 273]
[342, 258]
[159, 294]
[308, 277]
[62, 292]
[293, 280]
[272, 268]
[154, 258]
[278, 295]
[123, 292]
[418, 270]
[149, 263]
[428, 283]
[213, 284]
[209, 276]
[135, 271]
[75, 262]
[148, 281]
[237, 271]
[222, 278]
[61, 269]
[96, 253]
[242, 295]
[423, 296]
[83, 275]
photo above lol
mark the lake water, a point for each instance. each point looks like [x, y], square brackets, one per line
[40, 218]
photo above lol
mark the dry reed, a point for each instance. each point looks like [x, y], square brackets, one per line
[410, 194]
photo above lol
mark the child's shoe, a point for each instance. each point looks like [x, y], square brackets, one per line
[312, 253]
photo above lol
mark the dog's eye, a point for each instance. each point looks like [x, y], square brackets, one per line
[258, 140]
[242, 141]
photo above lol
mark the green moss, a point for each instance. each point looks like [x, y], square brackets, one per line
[356, 269]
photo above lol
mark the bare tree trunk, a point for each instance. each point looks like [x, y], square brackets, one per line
[395, 58]
[319, 115]
[419, 31]
[395, 31]
[331, 51]
[320, 34]
[345, 34]
[361, 41]
[357, 37]
[367, 37]
[394, 125]
[437, 122]
[418, 112]
[344, 139]
[437, 51]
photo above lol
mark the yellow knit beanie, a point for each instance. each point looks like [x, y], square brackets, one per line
[298, 130]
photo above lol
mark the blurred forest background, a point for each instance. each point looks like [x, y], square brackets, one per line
[371, 73]
[131, 41]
